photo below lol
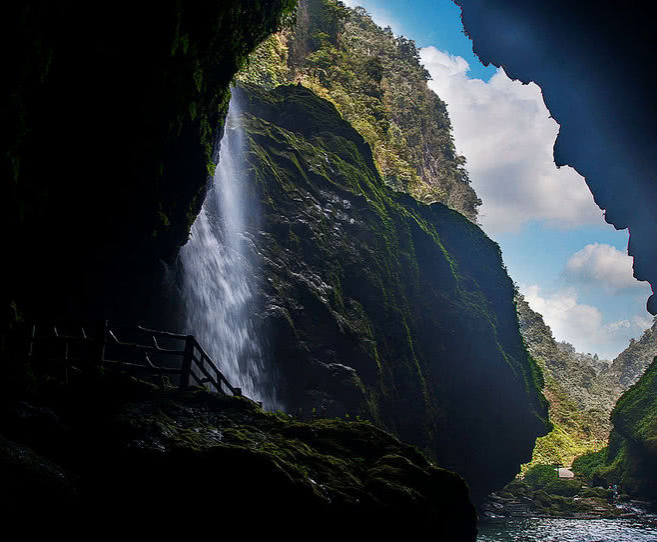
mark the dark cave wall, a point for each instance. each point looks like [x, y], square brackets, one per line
[593, 62]
[109, 112]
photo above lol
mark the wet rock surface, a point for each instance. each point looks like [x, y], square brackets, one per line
[522, 500]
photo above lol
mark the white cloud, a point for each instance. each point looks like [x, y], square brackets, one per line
[505, 132]
[643, 322]
[582, 325]
[604, 265]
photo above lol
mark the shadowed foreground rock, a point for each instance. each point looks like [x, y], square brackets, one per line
[151, 458]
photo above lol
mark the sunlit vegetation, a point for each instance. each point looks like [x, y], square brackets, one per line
[630, 459]
[580, 396]
[377, 83]
[582, 391]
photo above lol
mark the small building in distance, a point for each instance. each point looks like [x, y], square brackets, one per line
[565, 473]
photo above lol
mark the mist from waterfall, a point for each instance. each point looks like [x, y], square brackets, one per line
[219, 272]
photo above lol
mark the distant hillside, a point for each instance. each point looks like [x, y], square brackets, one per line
[580, 399]
[630, 459]
[632, 362]
[581, 388]
[378, 85]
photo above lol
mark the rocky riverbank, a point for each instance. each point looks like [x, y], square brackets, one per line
[542, 494]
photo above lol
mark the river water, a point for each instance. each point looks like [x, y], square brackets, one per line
[568, 530]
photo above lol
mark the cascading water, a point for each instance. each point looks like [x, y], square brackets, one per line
[219, 272]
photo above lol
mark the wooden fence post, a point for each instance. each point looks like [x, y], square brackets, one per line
[30, 352]
[102, 339]
[186, 367]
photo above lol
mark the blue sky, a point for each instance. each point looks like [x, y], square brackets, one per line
[569, 263]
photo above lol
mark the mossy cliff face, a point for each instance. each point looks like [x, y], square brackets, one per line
[630, 459]
[109, 116]
[379, 306]
[167, 460]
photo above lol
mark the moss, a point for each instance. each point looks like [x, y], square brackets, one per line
[539, 476]
[635, 414]
[414, 298]
[586, 464]
[134, 448]
[564, 488]
[596, 492]
[630, 459]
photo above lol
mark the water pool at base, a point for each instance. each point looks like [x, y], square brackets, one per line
[568, 530]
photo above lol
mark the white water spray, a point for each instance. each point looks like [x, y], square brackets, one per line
[219, 273]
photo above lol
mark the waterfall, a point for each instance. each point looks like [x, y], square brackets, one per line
[219, 272]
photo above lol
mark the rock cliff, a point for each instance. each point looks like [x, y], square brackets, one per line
[377, 83]
[380, 306]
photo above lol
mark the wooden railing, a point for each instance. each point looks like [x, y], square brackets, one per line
[168, 356]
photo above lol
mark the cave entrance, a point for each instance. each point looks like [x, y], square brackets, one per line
[579, 304]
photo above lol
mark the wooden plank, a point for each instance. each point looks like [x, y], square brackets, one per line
[152, 349]
[30, 352]
[153, 369]
[168, 334]
[206, 374]
[101, 338]
[186, 367]
[62, 338]
[216, 369]
[223, 380]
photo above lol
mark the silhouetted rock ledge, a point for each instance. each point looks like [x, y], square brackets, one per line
[154, 458]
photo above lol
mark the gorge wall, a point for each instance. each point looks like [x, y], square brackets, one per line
[379, 306]
[593, 64]
[632, 451]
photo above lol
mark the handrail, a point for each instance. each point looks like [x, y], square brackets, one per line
[158, 333]
[190, 364]
[220, 376]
